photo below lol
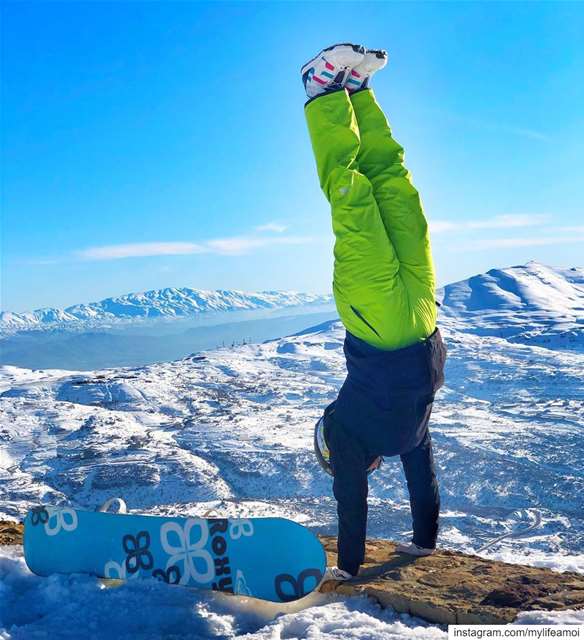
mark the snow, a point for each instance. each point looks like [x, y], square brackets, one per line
[231, 429]
[69, 607]
[235, 427]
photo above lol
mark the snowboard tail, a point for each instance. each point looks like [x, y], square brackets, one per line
[268, 558]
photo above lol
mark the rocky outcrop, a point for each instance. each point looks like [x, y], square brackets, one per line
[450, 587]
[10, 533]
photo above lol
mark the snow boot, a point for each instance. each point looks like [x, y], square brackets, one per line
[329, 70]
[359, 76]
[414, 550]
[334, 573]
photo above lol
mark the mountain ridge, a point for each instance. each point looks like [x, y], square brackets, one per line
[531, 303]
[155, 304]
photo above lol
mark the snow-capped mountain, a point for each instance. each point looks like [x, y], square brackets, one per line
[166, 303]
[533, 304]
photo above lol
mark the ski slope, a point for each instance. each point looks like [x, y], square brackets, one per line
[231, 429]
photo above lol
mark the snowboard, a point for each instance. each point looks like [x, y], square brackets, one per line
[268, 558]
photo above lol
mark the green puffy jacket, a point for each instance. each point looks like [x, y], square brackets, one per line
[383, 276]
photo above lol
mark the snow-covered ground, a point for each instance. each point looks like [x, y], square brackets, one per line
[232, 429]
[71, 608]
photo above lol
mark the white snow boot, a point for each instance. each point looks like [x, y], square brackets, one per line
[359, 76]
[329, 70]
[334, 573]
[414, 550]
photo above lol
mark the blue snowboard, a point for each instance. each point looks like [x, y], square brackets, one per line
[268, 558]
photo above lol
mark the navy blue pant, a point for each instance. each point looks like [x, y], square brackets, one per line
[350, 460]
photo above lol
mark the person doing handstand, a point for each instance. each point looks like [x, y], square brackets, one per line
[384, 289]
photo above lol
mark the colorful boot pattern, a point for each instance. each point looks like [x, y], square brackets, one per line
[329, 70]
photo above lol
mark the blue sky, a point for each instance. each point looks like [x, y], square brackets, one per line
[163, 144]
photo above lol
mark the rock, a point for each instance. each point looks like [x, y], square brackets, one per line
[450, 587]
[11, 533]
